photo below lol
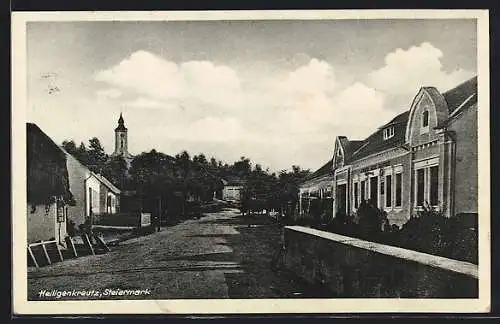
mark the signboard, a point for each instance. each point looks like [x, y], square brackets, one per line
[145, 219]
[61, 217]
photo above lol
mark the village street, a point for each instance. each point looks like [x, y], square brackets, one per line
[216, 256]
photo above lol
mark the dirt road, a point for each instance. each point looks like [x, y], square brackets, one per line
[216, 256]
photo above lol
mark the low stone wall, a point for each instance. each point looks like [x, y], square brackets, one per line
[351, 267]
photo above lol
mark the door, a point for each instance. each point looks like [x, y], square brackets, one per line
[341, 199]
[374, 191]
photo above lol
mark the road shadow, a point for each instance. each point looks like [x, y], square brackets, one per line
[241, 220]
[209, 235]
[254, 248]
[214, 257]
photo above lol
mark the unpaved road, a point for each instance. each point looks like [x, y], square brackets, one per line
[216, 256]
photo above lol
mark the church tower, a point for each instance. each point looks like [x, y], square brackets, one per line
[121, 140]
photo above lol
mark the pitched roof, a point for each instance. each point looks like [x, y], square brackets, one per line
[47, 174]
[457, 96]
[326, 169]
[463, 94]
[121, 125]
[350, 147]
[375, 142]
[99, 177]
[233, 181]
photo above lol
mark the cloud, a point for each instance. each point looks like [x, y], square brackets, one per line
[152, 76]
[313, 109]
[109, 94]
[212, 129]
[405, 71]
[278, 118]
[143, 102]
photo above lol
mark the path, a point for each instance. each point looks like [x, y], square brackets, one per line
[216, 256]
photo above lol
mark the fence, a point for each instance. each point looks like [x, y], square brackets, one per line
[123, 219]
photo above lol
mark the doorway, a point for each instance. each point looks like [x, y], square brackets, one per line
[374, 191]
[341, 199]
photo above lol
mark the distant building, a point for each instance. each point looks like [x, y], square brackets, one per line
[232, 189]
[121, 142]
[424, 156]
[48, 190]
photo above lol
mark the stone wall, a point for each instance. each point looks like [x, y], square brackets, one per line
[350, 267]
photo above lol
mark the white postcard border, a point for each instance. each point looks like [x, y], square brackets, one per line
[227, 306]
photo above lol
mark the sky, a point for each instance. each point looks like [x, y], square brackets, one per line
[277, 92]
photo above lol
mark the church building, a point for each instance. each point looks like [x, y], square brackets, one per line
[121, 142]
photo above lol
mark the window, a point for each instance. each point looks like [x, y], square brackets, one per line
[388, 132]
[427, 186]
[356, 195]
[399, 189]
[425, 118]
[434, 181]
[388, 196]
[90, 201]
[108, 203]
[420, 187]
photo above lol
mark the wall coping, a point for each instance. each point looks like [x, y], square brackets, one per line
[461, 267]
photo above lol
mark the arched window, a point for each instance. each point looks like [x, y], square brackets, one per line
[425, 118]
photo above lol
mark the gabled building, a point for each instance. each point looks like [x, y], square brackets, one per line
[426, 156]
[316, 191]
[94, 194]
[48, 190]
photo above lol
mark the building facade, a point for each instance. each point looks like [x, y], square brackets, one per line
[232, 189]
[426, 156]
[94, 194]
[315, 193]
[48, 191]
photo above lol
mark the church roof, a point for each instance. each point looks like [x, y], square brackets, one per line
[121, 124]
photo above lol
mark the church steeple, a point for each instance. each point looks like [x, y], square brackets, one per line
[121, 124]
[121, 140]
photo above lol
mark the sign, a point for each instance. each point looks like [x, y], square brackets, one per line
[145, 219]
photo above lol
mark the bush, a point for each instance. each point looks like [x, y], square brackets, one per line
[429, 231]
[433, 233]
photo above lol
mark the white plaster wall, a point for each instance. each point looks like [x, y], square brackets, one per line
[93, 184]
[41, 223]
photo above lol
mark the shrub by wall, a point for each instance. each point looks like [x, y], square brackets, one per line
[428, 231]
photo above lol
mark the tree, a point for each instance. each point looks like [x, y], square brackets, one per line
[213, 164]
[243, 167]
[82, 154]
[184, 174]
[70, 147]
[96, 156]
[152, 175]
[200, 159]
[115, 170]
